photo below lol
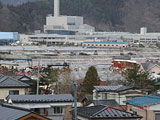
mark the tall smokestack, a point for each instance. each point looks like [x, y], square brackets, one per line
[56, 8]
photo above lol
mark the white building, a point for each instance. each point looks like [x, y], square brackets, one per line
[118, 93]
[61, 30]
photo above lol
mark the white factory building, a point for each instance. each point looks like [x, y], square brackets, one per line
[61, 30]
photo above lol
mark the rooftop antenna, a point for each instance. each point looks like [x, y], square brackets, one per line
[56, 8]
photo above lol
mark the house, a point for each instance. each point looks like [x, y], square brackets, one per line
[8, 112]
[10, 86]
[88, 101]
[23, 78]
[146, 106]
[118, 93]
[101, 112]
[48, 105]
[152, 68]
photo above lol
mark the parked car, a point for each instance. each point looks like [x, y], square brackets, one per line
[72, 53]
[95, 52]
[83, 54]
[130, 53]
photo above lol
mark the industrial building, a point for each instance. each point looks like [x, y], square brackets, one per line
[64, 30]
[8, 37]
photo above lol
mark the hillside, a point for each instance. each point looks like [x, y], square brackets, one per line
[108, 15]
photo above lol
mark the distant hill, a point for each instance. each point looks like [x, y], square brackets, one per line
[108, 15]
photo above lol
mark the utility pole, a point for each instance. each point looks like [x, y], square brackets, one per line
[38, 78]
[75, 100]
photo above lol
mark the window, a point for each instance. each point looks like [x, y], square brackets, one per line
[44, 111]
[58, 110]
[14, 92]
[157, 116]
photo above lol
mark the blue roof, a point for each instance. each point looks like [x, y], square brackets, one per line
[9, 36]
[144, 101]
[108, 42]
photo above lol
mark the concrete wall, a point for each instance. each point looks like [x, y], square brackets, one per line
[4, 92]
[146, 114]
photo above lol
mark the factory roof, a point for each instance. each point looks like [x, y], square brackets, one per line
[8, 35]
[41, 98]
[9, 82]
[108, 42]
[144, 101]
[102, 112]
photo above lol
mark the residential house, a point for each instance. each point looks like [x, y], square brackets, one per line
[23, 78]
[88, 101]
[101, 112]
[47, 105]
[152, 68]
[146, 106]
[8, 112]
[118, 93]
[10, 86]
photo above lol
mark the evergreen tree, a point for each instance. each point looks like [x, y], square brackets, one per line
[49, 77]
[138, 78]
[91, 79]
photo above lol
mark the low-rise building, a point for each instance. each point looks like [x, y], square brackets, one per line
[151, 67]
[118, 93]
[11, 86]
[23, 78]
[146, 106]
[47, 105]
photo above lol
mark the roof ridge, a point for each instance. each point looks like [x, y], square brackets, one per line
[3, 79]
[19, 81]
[15, 107]
[105, 107]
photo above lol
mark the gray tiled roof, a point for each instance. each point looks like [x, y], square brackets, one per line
[147, 66]
[10, 112]
[56, 117]
[105, 102]
[117, 88]
[102, 112]
[41, 98]
[8, 82]
[18, 77]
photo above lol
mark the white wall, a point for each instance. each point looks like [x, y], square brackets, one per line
[4, 92]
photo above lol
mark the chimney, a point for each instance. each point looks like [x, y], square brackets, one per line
[56, 8]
